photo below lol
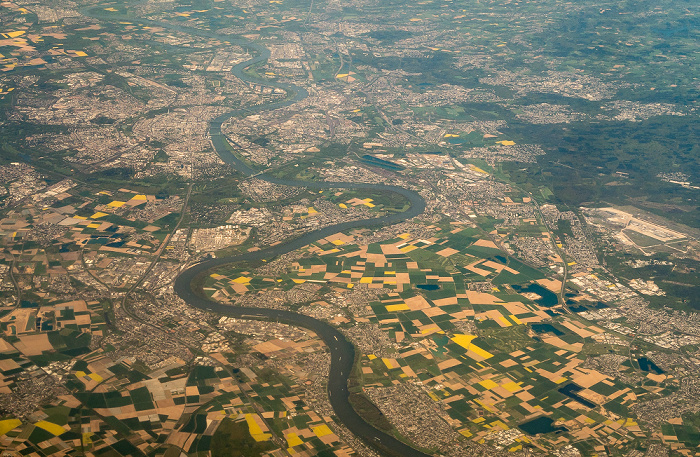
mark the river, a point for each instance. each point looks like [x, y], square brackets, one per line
[342, 352]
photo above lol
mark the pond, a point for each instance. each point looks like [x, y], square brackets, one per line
[578, 309]
[541, 424]
[570, 391]
[647, 365]
[548, 298]
[371, 160]
[546, 328]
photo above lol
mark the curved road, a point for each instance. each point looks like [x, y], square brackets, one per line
[341, 350]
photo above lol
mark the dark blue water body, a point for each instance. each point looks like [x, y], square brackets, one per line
[542, 424]
[428, 286]
[376, 161]
[546, 328]
[548, 299]
[342, 351]
[649, 366]
[570, 391]
[46, 326]
[578, 309]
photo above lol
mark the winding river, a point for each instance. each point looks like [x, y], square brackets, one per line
[342, 352]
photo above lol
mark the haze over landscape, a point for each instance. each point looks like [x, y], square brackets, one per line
[365, 228]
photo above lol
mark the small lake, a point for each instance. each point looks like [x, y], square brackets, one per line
[542, 424]
[648, 366]
[570, 391]
[376, 161]
[428, 286]
[546, 328]
[548, 298]
[578, 309]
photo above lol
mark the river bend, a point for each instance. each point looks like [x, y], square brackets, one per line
[342, 352]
